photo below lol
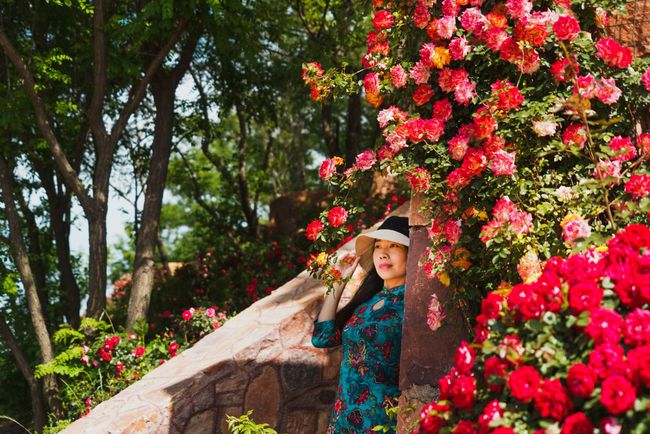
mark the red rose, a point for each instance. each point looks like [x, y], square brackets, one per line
[566, 28]
[553, 401]
[172, 347]
[465, 427]
[577, 423]
[585, 296]
[464, 358]
[491, 413]
[139, 351]
[492, 305]
[313, 229]
[581, 380]
[371, 83]
[383, 20]
[637, 328]
[430, 420]
[524, 382]
[638, 186]
[419, 179]
[495, 367]
[613, 53]
[463, 392]
[605, 325]
[337, 216]
[422, 94]
[606, 360]
[639, 360]
[327, 169]
[503, 430]
[609, 425]
[617, 394]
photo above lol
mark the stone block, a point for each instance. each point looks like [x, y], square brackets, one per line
[301, 369]
[236, 380]
[300, 422]
[332, 367]
[323, 422]
[203, 399]
[229, 399]
[264, 396]
[426, 355]
[417, 216]
[296, 330]
[201, 423]
[320, 398]
[223, 422]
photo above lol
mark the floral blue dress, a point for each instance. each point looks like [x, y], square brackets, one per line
[370, 369]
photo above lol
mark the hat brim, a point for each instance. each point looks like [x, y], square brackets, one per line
[364, 242]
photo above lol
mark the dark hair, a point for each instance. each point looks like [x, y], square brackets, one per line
[371, 285]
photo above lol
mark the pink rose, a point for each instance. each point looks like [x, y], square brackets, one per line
[327, 169]
[366, 160]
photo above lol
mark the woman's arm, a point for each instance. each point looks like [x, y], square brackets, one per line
[326, 334]
[346, 265]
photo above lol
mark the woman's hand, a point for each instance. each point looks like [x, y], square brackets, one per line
[347, 264]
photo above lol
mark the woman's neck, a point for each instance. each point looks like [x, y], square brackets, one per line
[394, 283]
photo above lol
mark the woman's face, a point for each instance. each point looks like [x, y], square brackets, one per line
[389, 258]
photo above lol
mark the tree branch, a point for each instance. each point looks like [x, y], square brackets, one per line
[137, 92]
[42, 119]
[95, 112]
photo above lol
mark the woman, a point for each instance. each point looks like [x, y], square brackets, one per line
[370, 329]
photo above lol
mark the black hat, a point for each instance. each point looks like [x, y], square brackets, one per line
[394, 228]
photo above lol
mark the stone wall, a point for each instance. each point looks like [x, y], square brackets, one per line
[260, 360]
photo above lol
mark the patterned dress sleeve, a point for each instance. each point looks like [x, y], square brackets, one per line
[326, 334]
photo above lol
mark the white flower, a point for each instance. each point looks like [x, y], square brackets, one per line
[544, 128]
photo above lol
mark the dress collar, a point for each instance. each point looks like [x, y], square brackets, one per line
[395, 290]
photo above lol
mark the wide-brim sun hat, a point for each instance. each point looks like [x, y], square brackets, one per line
[394, 229]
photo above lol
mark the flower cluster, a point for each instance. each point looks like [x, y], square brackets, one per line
[569, 352]
[506, 217]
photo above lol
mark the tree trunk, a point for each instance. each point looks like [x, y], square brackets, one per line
[244, 193]
[38, 408]
[328, 128]
[36, 258]
[353, 132]
[97, 264]
[144, 267]
[60, 218]
[59, 207]
[163, 88]
[21, 260]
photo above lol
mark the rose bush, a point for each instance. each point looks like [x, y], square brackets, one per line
[96, 361]
[567, 352]
[480, 104]
[524, 127]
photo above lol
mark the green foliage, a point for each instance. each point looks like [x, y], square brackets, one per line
[245, 425]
